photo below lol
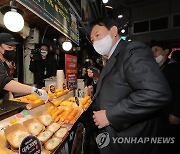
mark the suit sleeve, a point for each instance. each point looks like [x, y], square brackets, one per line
[171, 72]
[150, 91]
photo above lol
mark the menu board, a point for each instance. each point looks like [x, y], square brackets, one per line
[71, 71]
[57, 13]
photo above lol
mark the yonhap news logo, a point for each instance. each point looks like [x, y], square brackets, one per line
[103, 140]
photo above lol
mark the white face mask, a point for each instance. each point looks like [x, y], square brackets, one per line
[44, 53]
[159, 58]
[103, 46]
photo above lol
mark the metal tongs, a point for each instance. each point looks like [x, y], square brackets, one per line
[77, 100]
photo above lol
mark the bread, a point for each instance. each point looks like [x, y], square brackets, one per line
[53, 127]
[3, 141]
[45, 151]
[61, 132]
[17, 137]
[44, 136]
[35, 128]
[6, 151]
[52, 143]
[45, 119]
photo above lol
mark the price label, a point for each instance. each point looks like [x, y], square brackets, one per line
[30, 145]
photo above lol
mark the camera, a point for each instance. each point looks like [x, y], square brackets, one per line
[36, 54]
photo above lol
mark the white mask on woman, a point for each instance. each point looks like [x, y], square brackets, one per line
[44, 53]
[159, 59]
[103, 46]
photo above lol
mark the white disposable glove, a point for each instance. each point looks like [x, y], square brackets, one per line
[42, 94]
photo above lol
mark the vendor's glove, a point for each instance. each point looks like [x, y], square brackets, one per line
[42, 94]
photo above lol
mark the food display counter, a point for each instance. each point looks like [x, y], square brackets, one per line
[53, 124]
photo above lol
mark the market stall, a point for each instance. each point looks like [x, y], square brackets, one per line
[52, 124]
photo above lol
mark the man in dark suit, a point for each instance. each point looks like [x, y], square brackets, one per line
[172, 114]
[130, 93]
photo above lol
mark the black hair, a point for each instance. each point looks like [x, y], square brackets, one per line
[106, 22]
[163, 44]
[176, 55]
[43, 44]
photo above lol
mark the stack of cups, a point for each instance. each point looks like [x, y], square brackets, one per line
[60, 79]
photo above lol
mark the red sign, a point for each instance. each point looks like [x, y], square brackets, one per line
[71, 71]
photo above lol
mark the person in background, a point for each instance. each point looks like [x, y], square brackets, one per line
[93, 73]
[7, 84]
[43, 65]
[172, 113]
[161, 51]
[83, 72]
[130, 93]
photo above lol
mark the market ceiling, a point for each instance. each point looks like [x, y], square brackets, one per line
[34, 21]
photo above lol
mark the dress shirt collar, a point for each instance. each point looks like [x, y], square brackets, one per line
[113, 48]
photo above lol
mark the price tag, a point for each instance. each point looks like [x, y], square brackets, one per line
[30, 145]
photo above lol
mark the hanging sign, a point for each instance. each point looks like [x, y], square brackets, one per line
[71, 71]
[57, 13]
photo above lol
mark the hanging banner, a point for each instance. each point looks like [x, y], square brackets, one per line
[71, 71]
[57, 13]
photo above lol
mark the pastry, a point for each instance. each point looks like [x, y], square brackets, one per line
[44, 136]
[53, 127]
[35, 128]
[46, 119]
[52, 143]
[61, 132]
[17, 137]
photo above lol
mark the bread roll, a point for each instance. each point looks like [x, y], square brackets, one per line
[46, 119]
[45, 151]
[17, 137]
[3, 141]
[35, 128]
[6, 151]
[52, 143]
[53, 127]
[61, 132]
[44, 136]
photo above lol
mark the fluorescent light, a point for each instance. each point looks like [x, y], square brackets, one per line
[108, 6]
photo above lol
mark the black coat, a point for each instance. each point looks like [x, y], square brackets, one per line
[172, 74]
[132, 90]
[43, 69]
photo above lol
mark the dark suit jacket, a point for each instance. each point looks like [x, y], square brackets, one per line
[132, 90]
[172, 73]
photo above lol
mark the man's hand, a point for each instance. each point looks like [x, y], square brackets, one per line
[100, 118]
[42, 94]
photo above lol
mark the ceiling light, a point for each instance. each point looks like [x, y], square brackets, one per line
[105, 1]
[123, 31]
[13, 20]
[109, 7]
[67, 45]
[120, 16]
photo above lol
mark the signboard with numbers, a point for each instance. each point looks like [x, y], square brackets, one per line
[57, 13]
